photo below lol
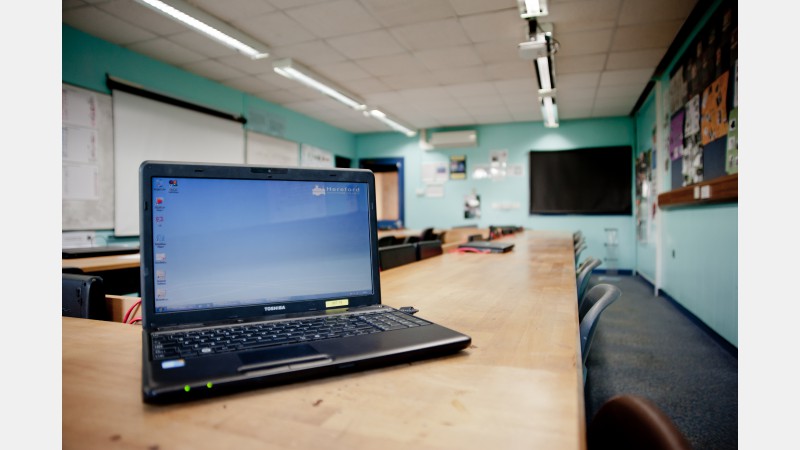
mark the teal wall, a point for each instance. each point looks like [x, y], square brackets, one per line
[703, 274]
[518, 139]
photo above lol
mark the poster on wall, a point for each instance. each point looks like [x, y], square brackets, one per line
[692, 161]
[714, 110]
[676, 135]
[458, 167]
[315, 157]
[732, 148]
[472, 206]
[678, 91]
[691, 121]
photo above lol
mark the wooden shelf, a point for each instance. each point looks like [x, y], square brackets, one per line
[719, 190]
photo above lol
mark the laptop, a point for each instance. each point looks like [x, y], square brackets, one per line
[256, 276]
[488, 246]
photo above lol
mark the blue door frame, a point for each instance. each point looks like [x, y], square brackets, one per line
[389, 165]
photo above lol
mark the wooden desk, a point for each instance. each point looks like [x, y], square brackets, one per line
[518, 386]
[103, 263]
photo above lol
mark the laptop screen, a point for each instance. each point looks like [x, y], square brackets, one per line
[221, 243]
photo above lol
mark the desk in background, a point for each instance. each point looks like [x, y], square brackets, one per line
[518, 386]
[120, 274]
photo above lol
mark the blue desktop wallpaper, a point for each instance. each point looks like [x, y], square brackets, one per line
[220, 242]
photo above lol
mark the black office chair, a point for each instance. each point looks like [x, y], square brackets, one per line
[428, 249]
[82, 296]
[595, 302]
[396, 255]
[440, 236]
[427, 235]
[386, 241]
[633, 422]
[583, 275]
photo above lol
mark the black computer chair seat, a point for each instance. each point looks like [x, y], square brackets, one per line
[397, 255]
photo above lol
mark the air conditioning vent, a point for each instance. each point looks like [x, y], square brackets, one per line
[454, 139]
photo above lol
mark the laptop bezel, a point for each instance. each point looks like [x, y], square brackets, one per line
[159, 169]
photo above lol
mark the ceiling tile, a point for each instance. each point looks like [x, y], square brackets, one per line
[134, 12]
[461, 75]
[423, 79]
[247, 65]
[289, 4]
[344, 71]
[167, 51]
[468, 7]
[336, 18]
[105, 26]
[498, 51]
[584, 42]
[448, 58]
[316, 52]
[636, 59]
[247, 84]
[440, 33]
[402, 63]
[232, 10]
[367, 45]
[472, 89]
[577, 80]
[201, 44]
[393, 13]
[418, 60]
[625, 77]
[582, 15]
[637, 37]
[213, 70]
[644, 11]
[511, 70]
[580, 63]
[365, 86]
[274, 29]
[496, 26]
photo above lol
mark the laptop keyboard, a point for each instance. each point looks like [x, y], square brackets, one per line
[185, 344]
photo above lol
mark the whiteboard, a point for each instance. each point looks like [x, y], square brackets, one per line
[87, 160]
[271, 151]
[147, 129]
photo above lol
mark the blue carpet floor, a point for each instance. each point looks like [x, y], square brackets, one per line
[645, 345]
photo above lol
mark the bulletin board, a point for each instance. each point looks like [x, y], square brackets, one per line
[703, 103]
[87, 160]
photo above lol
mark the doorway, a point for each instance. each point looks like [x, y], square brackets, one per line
[388, 191]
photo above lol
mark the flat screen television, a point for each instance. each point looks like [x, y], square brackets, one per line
[583, 181]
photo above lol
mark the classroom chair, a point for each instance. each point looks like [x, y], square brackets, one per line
[595, 302]
[633, 422]
[82, 296]
[386, 241]
[396, 255]
[583, 276]
[428, 249]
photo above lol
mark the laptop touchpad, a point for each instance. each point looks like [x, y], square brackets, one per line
[296, 356]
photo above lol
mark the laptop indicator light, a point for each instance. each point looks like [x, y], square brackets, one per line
[209, 384]
[186, 388]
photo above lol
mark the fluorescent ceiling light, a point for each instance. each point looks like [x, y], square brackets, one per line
[294, 71]
[532, 8]
[209, 25]
[394, 125]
